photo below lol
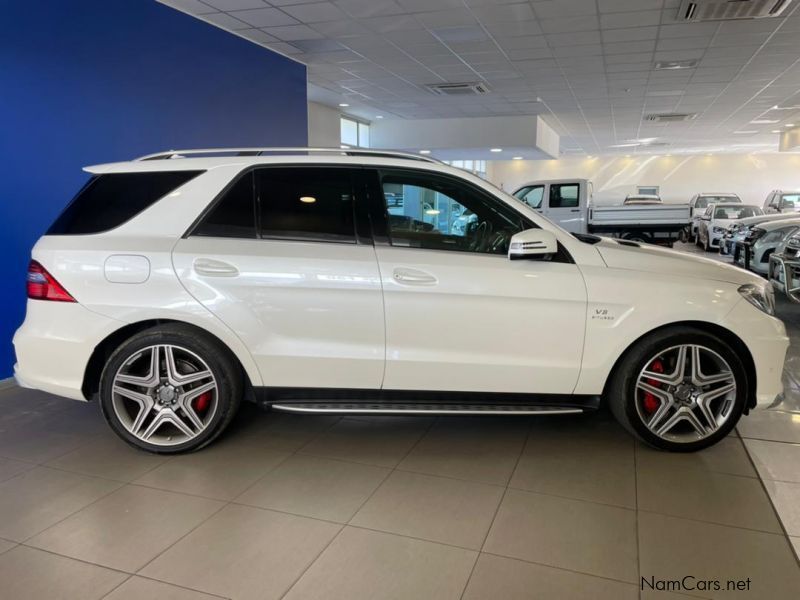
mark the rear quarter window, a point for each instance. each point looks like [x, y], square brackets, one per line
[107, 201]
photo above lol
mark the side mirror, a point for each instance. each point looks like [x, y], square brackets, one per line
[532, 243]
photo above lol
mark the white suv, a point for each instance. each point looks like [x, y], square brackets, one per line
[174, 286]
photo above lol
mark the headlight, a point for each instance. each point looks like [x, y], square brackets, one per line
[760, 296]
[719, 230]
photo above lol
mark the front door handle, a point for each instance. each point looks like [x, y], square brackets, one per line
[214, 268]
[414, 277]
[575, 210]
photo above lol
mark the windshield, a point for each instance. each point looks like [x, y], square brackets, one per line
[704, 201]
[736, 212]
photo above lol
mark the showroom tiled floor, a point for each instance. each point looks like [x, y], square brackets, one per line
[307, 507]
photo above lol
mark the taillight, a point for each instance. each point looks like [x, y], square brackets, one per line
[43, 286]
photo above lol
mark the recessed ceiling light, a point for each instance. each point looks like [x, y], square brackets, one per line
[308, 199]
[516, 158]
[673, 65]
[424, 151]
[789, 125]
[343, 104]
[631, 145]
[668, 155]
[776, 131]
[763, 121]
[495, 149]
[745, 131]
[627, 156]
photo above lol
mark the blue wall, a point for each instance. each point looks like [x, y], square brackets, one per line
[90, 81]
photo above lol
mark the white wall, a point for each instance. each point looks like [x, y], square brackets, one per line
[323, 126]
[680, 177]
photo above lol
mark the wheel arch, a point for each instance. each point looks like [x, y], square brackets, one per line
[728, 336]
[101, 352]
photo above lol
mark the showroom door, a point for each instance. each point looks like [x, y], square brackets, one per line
[460, 315]
[279, 259]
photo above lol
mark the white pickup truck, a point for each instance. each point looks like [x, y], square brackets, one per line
[568, 202]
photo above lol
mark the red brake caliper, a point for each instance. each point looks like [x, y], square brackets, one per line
[650, 402]
[202, 401]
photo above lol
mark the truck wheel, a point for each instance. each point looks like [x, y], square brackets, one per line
[679, 389]
[637, 236]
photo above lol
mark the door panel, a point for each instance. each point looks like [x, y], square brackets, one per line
[564, 206]
[310, 313]
[481, 322]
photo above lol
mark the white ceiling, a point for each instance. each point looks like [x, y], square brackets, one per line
[585, 65]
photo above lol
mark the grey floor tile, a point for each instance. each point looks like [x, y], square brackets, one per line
[316, 487]
[380, 442]
[726, 456]
[221, 471]
[572, 534]
[370, 564]
[671, 548]
[439, 509]
[713, 497]
[6, 545]
[278, 430]
[10, 468]
[594, 462]
[108, 456]
[769, 424]
[128, 528]
[776, 460]
[483, 449]
[37, 445]
[139, 588]
[36, 575]
[510, 579]
[244, 553]
[786, 498]
[39, 498]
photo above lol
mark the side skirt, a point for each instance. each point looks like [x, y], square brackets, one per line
[420, 402]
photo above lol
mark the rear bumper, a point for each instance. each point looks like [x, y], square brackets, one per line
[54, 344]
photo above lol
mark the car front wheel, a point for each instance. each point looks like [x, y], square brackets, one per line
[679, 389]
[170, 389]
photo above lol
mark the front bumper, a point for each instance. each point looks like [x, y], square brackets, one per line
[766, 338]
[784, 275]
[54, 343]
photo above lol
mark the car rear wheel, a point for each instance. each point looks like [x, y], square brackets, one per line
[679, 389]
[169, 390]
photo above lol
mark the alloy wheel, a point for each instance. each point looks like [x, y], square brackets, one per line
[685, 393]
[164, 395]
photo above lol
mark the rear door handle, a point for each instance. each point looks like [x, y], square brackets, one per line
[414, 277]
[214, 268]
[575, 210]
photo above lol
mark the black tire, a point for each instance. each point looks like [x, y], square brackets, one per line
[637, 236]
[220, 361]
[621, 391]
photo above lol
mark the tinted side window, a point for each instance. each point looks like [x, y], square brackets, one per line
[108, 201]
[439, 214]
[234, 215]
[306, 203]
[564, 195]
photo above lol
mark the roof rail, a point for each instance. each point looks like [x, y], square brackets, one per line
[172, 154]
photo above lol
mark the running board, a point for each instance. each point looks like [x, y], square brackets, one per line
[424, 409]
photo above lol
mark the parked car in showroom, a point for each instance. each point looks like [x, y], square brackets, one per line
[754, 251]
[784, 267]
[738, 230]
[175, 286]
[698, 205]
[781, 201]
[716, 219]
